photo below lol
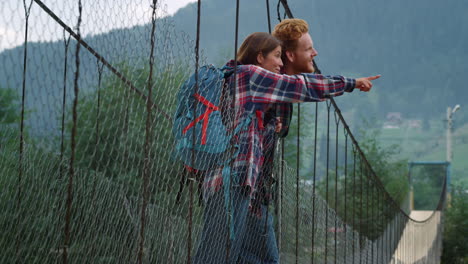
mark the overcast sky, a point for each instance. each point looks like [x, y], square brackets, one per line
[98, 16]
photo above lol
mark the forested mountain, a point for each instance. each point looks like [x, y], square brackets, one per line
[418, 46]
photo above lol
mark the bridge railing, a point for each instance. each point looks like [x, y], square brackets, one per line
[87, 173]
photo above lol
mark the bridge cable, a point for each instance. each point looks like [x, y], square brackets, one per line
[345, 193]
[268, 15]
[372, 222]
[314, 187]
[278, 11]
[62, 168]
[148, 136]
[27, 11]
[361, 202]
[270, 156]
[366, 222]
[327, 179]
[337, 123]
[233, 105]
[93, 52]
[298, 155]
[100, 68]
[192, 179]
[354, 195]
[73, 142]
[382, 224]
[66, 42]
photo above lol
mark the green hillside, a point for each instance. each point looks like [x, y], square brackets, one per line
[418, 46]
[429, 144]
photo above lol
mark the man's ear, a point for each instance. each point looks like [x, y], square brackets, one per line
[260, 58]
[290, 55]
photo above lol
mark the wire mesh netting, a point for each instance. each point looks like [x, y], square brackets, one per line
[87, 168]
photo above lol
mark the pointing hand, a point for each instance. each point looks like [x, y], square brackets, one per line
[364, 84]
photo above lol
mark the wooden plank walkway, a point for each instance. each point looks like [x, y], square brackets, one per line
[420, 242]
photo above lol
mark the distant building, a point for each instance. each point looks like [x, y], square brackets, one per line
[395, 117]
[393, 120]
[415, 123]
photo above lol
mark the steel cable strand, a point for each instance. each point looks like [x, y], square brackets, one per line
[73, 143]
[361, 202]
[233, 104]
[337, 122]
[298, 159]
[345, 195]
[148, 136]
[66, 42]
[96, 144]
[372, 227]
[100, 68]
[314, 187]
[27, 11]
[354, 195]
[366, 223]
[62, 165]
[272, 154]
[271, 157]
[280, 191]
[327, 179]
[83, 43]
[192, 177]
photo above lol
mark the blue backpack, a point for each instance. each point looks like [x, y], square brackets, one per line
[199, 112]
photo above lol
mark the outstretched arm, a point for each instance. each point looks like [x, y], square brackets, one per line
[268, 87]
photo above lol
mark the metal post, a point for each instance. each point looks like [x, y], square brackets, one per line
[449, 134]
[411, 194]
[450, 113]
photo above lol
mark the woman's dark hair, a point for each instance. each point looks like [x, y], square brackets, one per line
[255, 43]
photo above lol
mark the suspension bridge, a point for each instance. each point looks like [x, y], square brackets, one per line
[87, 174]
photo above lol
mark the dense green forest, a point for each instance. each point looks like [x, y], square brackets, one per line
[418, 46]
[108, 164]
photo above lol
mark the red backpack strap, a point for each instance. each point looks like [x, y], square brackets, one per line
[210, 107]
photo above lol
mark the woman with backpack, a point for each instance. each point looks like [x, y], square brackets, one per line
[239, 231]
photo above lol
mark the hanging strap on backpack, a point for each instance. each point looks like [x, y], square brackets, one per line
[205, 116]
[226, 173]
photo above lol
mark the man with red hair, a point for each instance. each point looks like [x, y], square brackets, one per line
[237, 227]
[298, 47]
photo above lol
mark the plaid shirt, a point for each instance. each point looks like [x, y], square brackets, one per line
[258, 91]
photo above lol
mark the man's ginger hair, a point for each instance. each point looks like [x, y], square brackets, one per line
[289, 31]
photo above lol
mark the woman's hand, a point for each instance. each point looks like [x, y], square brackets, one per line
[279, 125]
